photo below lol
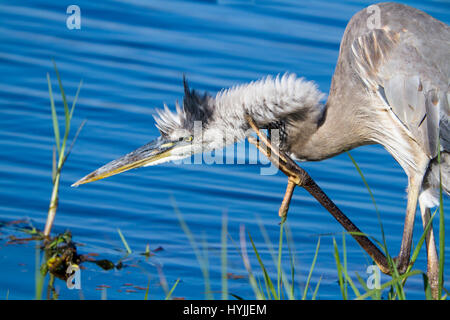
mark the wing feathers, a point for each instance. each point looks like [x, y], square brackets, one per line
[392, 65]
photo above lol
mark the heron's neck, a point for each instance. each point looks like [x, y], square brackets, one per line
[268, 101]
[338, 130]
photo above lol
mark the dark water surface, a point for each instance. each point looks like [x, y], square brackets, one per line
[131, 56]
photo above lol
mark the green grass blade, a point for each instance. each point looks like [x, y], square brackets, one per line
[305, 291]
[316, 290]
[420, 243]
[57, 165]
[267, 279]
[54, 116]
[63, 94]
[224, 258]
[39, 278]
[147, 290]
[73, 142]
[363, 179]
[372, 197]
[285, 282]
[208, 293]
[441, 228]
[66, 115]
[289, 241]
[54, 170]
[444, 297]
[339, 270]
[269, 244]
[171, 290]
[243, 252]
[260, 288]
[398, 284]
[75, 99]
[236, 296]
[124, 241]
[344, 257]
[344, 278]
[280, 249]
[427, 288]
[198, 254]
[351, 283]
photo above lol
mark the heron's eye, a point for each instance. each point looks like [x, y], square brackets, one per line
[188, 139]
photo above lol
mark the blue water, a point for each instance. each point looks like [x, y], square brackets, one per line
[131, 56]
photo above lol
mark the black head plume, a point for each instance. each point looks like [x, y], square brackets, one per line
[196, 107]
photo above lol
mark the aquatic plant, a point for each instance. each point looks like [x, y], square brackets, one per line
[59, 151]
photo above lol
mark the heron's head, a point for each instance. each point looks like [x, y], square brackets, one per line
[182, 134]
[204, 123]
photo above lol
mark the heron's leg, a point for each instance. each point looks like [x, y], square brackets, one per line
[432, 256]
[280, 161]
[265, 141]
[284, 208]
[402, 260]
[298, 176]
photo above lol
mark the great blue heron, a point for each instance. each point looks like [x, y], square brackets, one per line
[390, 86]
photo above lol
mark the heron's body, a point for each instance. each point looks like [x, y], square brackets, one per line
[390, 86]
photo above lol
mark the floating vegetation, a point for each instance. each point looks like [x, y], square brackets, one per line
[57, 253]
[60, 251]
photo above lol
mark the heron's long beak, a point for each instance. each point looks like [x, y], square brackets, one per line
[155, 152]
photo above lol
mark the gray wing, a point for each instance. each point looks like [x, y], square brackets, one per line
[407, 64]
